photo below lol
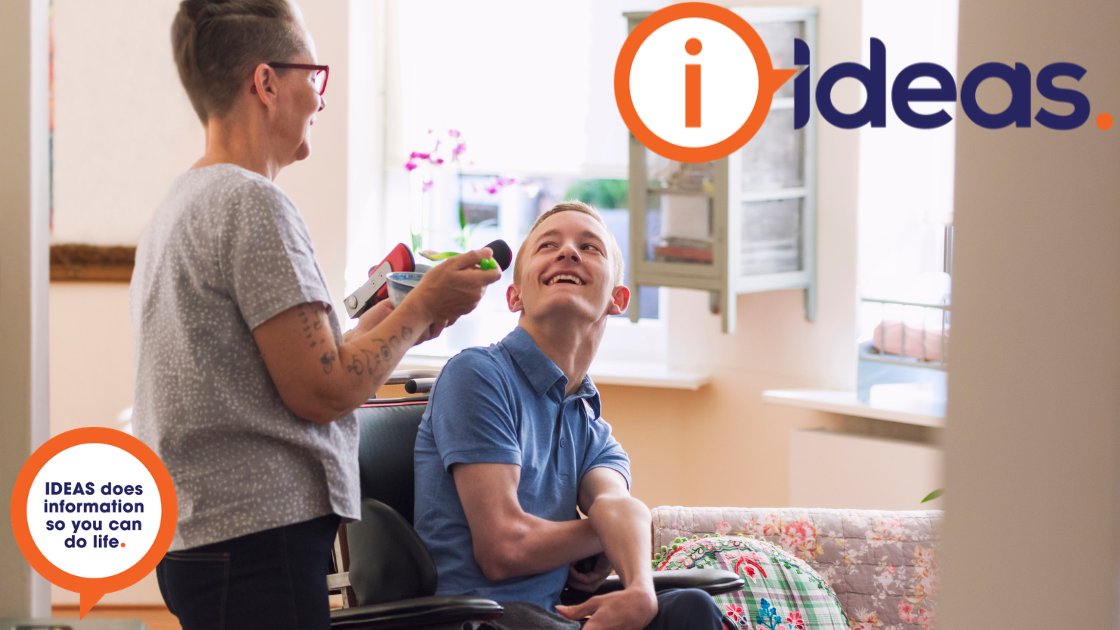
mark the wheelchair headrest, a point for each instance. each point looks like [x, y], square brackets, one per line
[387, 438]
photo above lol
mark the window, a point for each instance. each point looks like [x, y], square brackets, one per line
[535, 127]
[906, 175]
[905, 219]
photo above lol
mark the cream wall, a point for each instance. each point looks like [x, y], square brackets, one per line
[1033, 442]
[721, 445]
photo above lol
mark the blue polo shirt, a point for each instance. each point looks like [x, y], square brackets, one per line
[505, 404]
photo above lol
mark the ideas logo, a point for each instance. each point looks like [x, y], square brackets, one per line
[694, 83]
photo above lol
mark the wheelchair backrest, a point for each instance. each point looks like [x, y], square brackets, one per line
[387, 437]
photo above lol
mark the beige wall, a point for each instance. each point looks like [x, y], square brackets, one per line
[721, 445]
[1032, 444]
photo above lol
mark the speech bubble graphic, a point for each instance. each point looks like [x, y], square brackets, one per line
[649, 64]
[93, 511]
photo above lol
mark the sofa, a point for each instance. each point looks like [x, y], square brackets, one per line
[882, 565]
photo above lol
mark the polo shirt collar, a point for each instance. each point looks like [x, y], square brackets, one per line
[542, 372]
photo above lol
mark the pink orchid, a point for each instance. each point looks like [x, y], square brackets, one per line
[459, 148]
[454, 133]
[409, 166]
[492, 190]
[418, 155]
[426, 186]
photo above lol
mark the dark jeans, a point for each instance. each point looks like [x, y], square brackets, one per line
[686, 609]
[275, 579]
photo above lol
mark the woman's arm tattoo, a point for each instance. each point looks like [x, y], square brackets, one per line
[375, 360]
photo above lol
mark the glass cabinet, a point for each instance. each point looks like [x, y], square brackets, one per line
[742, 224]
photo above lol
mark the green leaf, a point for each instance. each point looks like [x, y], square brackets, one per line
[933, 495]
[605, 194]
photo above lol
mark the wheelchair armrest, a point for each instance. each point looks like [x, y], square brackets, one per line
[711, 581]
[416, 613]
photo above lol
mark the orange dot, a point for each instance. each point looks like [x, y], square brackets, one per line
[1104, 121]
[122, 544]
[693, 46]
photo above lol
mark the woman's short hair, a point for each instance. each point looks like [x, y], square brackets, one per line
[618, 265]
[217, 43]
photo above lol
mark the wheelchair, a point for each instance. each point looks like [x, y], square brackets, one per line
[383, 571]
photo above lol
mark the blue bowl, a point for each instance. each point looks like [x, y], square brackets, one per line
[401, 283]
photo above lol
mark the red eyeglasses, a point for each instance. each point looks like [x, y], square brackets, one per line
[321, 73]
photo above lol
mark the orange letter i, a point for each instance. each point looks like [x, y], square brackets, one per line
[692, 85]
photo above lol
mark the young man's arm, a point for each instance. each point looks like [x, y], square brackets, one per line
[508, 541]
[622, 523]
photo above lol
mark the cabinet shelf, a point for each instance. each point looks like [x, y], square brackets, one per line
[679, 192]
[742, 224]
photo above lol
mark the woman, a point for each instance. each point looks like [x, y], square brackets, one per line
[244, 383]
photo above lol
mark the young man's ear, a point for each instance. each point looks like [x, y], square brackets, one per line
[513, 298]
[620, 299]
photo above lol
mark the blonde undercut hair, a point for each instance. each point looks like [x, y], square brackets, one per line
[614, 251]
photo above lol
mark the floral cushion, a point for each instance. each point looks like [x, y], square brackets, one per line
[882, 565]
[782, 592]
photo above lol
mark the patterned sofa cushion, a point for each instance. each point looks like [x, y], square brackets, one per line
[781, 591]
[882, 565]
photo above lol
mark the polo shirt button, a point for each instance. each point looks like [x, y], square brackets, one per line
[563, 442]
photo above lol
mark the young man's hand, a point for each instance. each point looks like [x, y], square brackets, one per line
[629, 609]
[369, 320]
[591, 581]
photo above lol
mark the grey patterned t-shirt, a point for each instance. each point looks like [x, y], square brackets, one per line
[226, 251]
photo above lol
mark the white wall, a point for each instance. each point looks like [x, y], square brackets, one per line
[1032, 444]
[124, 128]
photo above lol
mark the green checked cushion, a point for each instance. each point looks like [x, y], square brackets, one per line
[781, 593]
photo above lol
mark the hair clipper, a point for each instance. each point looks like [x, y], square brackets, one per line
[377, 287]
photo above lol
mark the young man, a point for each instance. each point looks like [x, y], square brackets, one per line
[512, 443]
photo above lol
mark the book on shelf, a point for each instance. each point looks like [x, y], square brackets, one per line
[678, 249]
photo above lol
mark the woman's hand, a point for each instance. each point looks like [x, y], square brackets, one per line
[321, 381]
[454, 287]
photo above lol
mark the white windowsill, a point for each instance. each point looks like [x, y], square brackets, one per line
[631, 373]
[920, 413]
